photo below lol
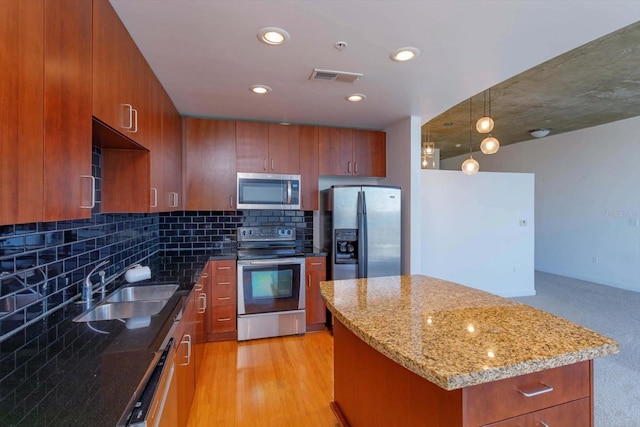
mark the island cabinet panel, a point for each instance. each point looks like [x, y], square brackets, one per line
[267, 148]
[316, 270]
[574, 413]
[309, 168]
[222, 320]
[347, 152]
[210, 167]
[21, 111]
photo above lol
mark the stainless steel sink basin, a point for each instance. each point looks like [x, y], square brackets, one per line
[143, 293]
[121, 310]
[133, 304]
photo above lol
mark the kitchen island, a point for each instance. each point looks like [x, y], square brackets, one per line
[418, 351]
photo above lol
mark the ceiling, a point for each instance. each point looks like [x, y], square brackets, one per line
[594, 84]
[206, 53]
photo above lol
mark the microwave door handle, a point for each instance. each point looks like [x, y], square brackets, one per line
[288, 192]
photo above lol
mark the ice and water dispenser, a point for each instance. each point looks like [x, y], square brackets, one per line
[346, 250]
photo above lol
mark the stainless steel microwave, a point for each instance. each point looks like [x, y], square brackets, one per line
[267, 191]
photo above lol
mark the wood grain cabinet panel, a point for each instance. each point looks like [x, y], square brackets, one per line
[222, 320]
[369, 153]
[316, 270]
[335, 151]
[172, 196]
[309, 168]
[21, 111]
[46, 118]
[210, 172]
[267, 148]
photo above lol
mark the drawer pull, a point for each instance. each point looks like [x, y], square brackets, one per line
[223, 298]
[224, 283]
[224, 319]
[535, 390]
[223, 268]
[205, 275]
[542, 423]
[316, 263]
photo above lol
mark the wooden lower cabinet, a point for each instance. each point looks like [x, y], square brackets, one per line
[316, 270]
[185, 370]
[371, 389]
[222, 317]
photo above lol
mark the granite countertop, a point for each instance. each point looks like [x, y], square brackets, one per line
[456, 336]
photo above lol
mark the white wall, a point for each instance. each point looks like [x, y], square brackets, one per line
[403, 170]
[587, 200]
[471, 231]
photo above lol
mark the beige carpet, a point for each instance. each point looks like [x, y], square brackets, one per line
[612, 312]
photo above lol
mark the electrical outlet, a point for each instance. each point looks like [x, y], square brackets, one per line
[523, 223]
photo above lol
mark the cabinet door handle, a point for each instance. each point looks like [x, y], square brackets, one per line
[355, 167]
[348, 167]
[130, 108]
[198, 287]
[93, 192]
[174, 196]
[224, 319]
[154, 197]
[133, 120]
[223, 298]
[224, 283]
[316, 263]
[542, 423]
[205, 275]
[226, 267]
[187, 340]
[309, 280]
[203, 299]
[230, 201]
[272, 164]
[535, 390]
[264, 163]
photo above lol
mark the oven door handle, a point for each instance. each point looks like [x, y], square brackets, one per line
[272, 261]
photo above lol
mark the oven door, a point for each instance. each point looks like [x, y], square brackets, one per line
[270, 285]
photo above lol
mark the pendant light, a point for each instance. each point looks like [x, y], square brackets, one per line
[485, 123]
[427, 160]
[490, 145]
[471, 165]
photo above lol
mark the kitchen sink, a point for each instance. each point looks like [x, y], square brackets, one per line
[121, 310]
[143, 293]
[134, 305]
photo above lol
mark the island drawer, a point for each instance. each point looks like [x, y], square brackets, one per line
[574, 413]
[499, 400]
[223, 293]
[223, 267]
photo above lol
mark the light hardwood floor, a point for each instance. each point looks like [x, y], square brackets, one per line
[283, 382]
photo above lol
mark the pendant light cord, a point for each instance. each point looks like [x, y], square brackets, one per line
[470, 126]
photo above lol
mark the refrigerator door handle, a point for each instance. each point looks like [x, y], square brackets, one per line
[365, 237]
[362, 236]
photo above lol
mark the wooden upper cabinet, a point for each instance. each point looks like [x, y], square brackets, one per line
[46, 115]
[267, 148]
[172, 154]
[120, 86]
[335, 151]
[346, 152]
[210, 169]
[284, 149]
[158, 200]
[252, 146]
[369, 153]
[68, 185]
[21, 111]
[309, 167]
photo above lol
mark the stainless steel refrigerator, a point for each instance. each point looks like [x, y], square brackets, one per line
[360, 229]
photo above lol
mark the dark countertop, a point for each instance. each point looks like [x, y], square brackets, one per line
[78, 376]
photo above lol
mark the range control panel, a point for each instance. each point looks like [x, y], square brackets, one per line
[266, 233]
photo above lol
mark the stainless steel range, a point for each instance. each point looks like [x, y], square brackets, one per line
[271, 297]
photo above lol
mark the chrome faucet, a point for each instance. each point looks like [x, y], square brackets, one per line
[87, 288]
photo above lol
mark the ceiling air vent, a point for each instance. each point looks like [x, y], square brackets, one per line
[334, 76]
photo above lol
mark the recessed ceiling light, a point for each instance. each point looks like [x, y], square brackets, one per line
[405, 54]
[273, 36]
[356, 97]
[260, 89]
